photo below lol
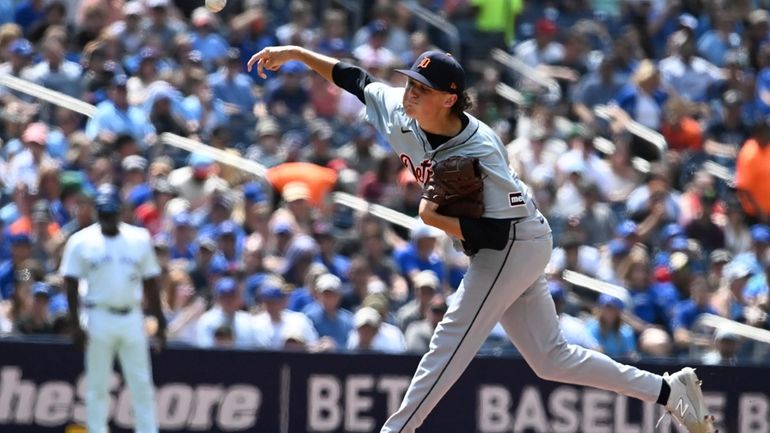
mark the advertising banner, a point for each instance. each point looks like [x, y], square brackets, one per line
[42, 390]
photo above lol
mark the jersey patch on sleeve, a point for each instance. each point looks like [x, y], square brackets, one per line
[515, 199]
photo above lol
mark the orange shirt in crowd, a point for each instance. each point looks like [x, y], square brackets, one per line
[320, 180]
[687, 135]
[752, 175]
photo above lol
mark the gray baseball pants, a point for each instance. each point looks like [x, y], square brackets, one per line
[509, 287]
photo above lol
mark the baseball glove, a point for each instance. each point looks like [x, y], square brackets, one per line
[457, 187]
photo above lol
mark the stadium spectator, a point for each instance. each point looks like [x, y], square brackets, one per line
[418, 334]
[573, 329]
[725, 349]
[752, 166]
[328, 318]
[425, 285]
[276, 318]
[226, 315]
[615, 338]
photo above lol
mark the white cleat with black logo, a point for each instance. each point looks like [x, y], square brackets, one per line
[686, 404]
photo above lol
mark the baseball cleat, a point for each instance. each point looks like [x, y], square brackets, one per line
[686, 404]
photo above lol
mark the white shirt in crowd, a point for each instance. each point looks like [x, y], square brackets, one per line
[113, 267]
[389, 339]
[245, 334]
[297, 322]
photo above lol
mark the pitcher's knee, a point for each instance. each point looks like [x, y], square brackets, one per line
[546, 370]
[549, 365]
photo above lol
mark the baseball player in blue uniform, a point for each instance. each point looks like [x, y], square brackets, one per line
[509, 245]
[117, 263]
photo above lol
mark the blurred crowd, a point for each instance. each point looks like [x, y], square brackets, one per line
[275, 263]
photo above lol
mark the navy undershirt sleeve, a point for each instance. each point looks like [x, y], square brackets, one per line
[352, 79]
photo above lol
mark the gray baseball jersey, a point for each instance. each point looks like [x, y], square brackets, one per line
[505, 195]
[503, 285]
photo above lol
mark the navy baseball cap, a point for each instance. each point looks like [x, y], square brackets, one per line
[225, 286]
[438, 71]
[21, 47]
[107, 199]
[760, 233]
[609, 300]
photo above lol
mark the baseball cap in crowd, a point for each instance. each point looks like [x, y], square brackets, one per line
[736, 270]
[760, 233]
[546, 26]
[367, 316]
[201, 17]
[689, 21]
[618, 248]
[157, 3]
[678, 261]
[198, 160]
[626, 229]
[36, 132]
[252, 191]
[271, 292]
[376, 286]
[224, 200]
[207, 243]
[438, 71]
[679, 243]
[119, 80]
[606, 300]
[182, 219]
[328, 283]
[556, 289]
[107, 198]
[41, 289]
[282, 228]
[133, 7]
[425, 231]
[294, 191]
[671, 230]
[227, 228]
[267, 126]
[720, 256]
[225, 286]
[139, 195]
[21, 238]
[134, 162]
[21, 47]
[426, 278]
[161, 185]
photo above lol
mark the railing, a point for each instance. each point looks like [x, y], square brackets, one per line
[653, 137]
[439, 23]
[550, 85]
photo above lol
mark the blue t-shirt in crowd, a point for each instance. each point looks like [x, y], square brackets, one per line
[685, 313]
[617, 344]
[337, 327]
[407, 260]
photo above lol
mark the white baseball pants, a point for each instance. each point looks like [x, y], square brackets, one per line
[509, 287]
[109, 334]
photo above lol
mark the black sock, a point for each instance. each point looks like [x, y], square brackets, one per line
[665, 391]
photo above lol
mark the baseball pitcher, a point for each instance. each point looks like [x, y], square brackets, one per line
[471, 194]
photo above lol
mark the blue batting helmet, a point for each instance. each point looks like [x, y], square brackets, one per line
[107, 199]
